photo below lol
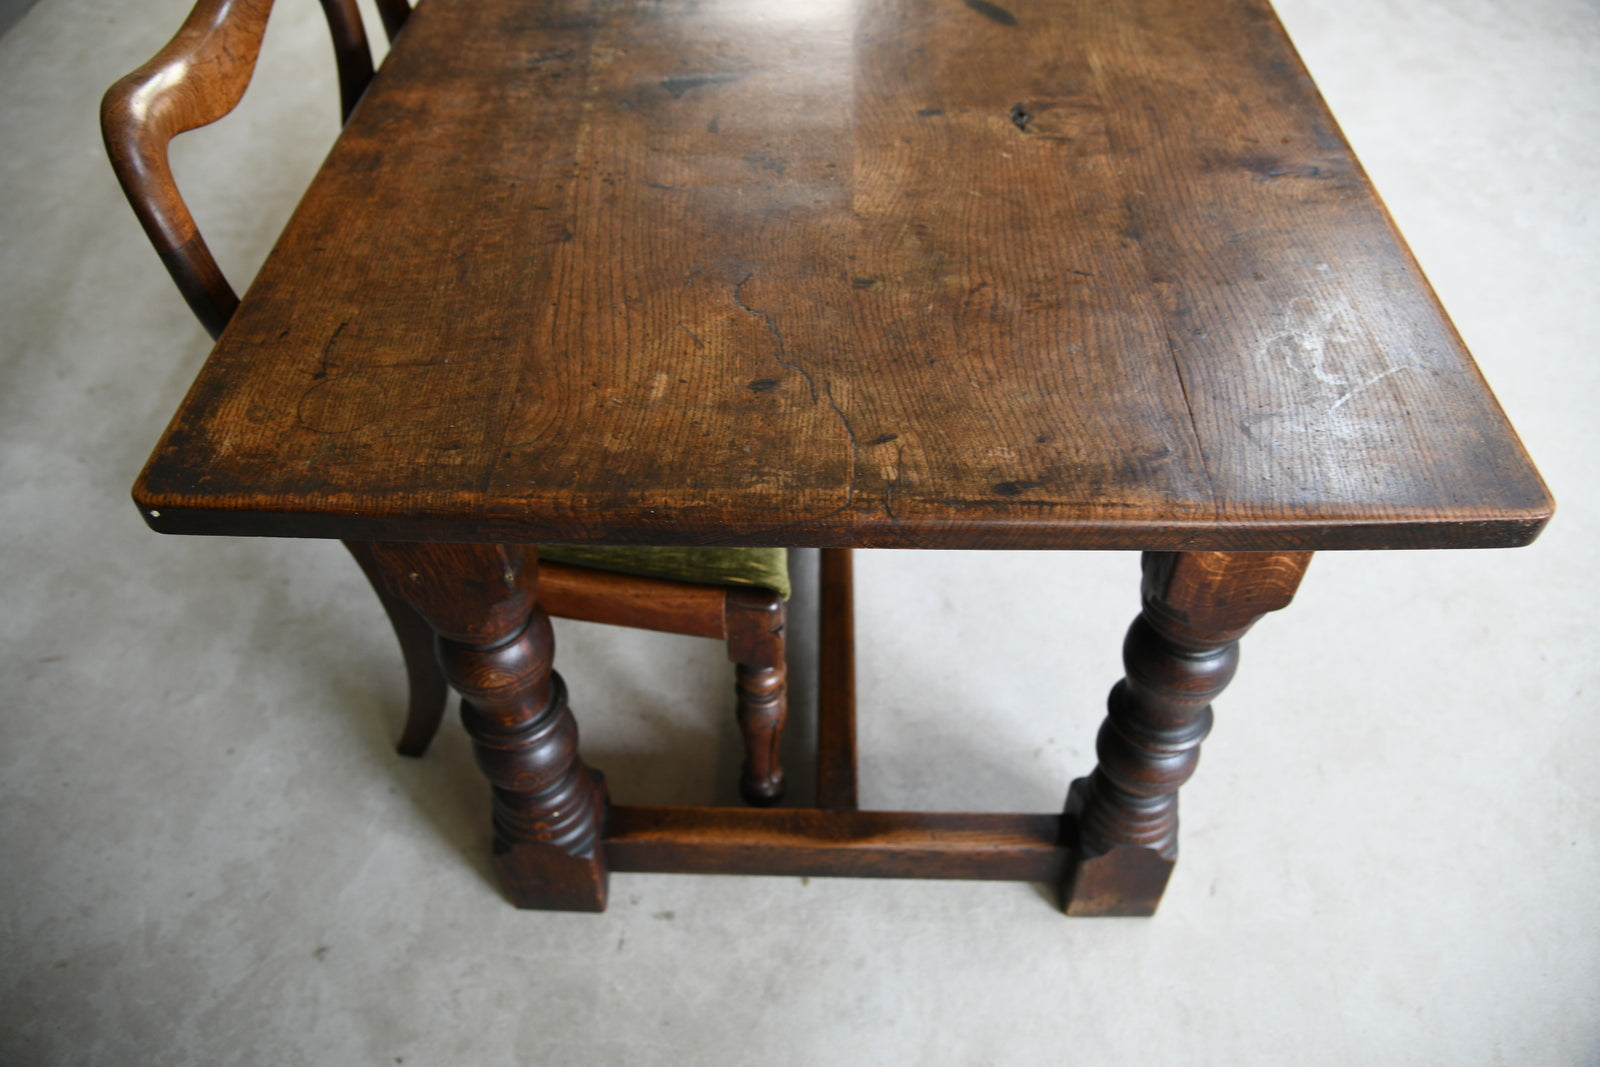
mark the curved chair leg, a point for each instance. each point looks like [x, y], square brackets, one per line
[755, 624]
[429, 690]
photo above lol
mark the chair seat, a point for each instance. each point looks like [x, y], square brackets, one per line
[763, 568]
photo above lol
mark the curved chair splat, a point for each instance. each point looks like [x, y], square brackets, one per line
[196, 79]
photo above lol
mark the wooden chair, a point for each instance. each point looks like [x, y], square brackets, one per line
[393, 13]
[196, 79]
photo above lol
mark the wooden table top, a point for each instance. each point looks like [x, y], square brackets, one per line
[1054, 274]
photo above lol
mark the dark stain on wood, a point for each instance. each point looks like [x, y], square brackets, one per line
[766, 161]
[1269, 167]
[682, 83]
[993, 12]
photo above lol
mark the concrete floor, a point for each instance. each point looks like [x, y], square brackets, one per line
[210, 855]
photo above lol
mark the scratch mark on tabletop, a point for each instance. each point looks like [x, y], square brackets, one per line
[327, 352]
[319, 378]
[893, 484]
[1332, 348]
[1374, 380]
[850, 482]
[1194, 425]
[781, 358]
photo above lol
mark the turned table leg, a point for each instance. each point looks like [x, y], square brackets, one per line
[495, 645]
[1180, 654]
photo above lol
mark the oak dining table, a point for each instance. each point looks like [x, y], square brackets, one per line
[843, 274]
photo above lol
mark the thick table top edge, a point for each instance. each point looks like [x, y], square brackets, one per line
[1330, 532]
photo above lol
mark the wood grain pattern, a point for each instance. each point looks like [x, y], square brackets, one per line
[857, 844]
[863, 272]
[628, 600]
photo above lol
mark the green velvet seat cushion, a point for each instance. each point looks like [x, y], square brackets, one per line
[764, 568]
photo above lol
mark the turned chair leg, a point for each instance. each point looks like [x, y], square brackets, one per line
[1180, 654]
[429, 690]
[755, 623]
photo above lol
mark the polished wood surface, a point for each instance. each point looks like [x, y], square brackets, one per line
[613, 599]
[856, 844]
[1053, 274]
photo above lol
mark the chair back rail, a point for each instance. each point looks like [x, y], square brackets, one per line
[197, 78]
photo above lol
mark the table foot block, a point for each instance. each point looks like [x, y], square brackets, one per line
[818, 843]
[1125, 882]
[546, 878]
[1112, 881]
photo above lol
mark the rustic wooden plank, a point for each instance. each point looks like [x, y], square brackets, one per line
[876, 273]
[858, 844]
